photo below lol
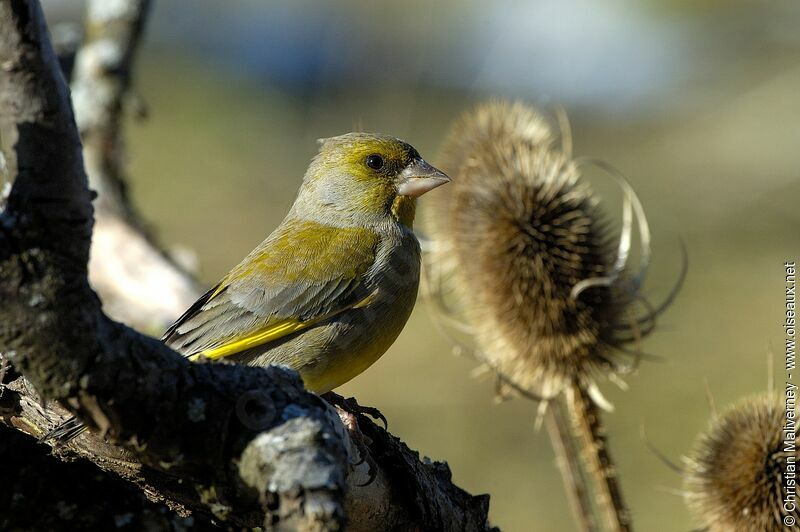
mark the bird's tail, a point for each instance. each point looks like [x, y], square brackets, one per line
[65, 432]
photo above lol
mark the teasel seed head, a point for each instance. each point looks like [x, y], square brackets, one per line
[521, 247]
[734, 475]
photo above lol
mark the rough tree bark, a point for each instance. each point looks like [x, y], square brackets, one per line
[236, 445]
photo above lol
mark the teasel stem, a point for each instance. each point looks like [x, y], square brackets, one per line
[568, 462]
[588, 426]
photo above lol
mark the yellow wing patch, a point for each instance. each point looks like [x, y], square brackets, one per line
[272, 332]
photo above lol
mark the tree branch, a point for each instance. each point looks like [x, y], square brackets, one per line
[227, 440]
[137, 280]
[93, 502]
[102, 74]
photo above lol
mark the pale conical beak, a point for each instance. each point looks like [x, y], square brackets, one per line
[418, 178]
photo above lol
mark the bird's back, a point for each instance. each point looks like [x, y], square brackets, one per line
[326, 301]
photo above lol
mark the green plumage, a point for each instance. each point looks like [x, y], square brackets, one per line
[331, 288]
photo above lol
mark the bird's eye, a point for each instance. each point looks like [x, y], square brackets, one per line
[375, 162]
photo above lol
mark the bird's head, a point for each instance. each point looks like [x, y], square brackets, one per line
[365, 177]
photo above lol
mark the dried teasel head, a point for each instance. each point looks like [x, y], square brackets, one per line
[734, 475]
[520, 251]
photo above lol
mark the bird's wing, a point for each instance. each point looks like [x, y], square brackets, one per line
[303, 274]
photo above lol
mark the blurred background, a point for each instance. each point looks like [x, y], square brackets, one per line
[697, 103]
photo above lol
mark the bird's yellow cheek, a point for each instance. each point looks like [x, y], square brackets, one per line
[375, 197]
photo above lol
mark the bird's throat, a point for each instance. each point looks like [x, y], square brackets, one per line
[403, 209]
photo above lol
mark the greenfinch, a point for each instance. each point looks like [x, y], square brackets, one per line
[331, 288]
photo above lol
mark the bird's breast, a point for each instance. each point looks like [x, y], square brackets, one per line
[360, 336]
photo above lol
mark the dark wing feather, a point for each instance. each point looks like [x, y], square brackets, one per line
[192, 311]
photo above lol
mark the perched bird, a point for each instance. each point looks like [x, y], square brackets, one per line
[331, 288]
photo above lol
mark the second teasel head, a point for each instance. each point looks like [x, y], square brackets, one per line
[734, 475]
[522, 247]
